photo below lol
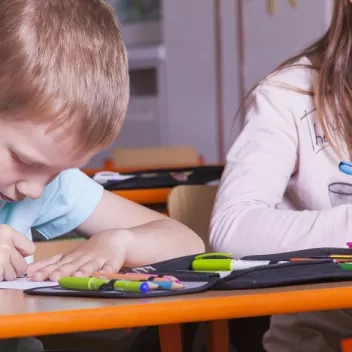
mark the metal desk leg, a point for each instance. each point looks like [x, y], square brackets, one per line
[170, 338]
[217, 336]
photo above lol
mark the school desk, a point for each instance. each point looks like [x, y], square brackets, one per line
[24, 315]
[47, 249]
[110, 167]
[147, 195]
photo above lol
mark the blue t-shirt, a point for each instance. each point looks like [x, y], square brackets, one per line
[65, 204]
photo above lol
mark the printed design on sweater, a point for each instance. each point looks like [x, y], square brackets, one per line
[340, 193]
[317, 137]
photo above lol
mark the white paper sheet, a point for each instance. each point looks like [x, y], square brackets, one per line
[24, 284]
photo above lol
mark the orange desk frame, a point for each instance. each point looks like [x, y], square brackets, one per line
[141, 196]
[145, 196]
[346, 345]
[34, 315]
[108, 166]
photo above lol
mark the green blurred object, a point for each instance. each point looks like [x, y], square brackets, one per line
[137, 10]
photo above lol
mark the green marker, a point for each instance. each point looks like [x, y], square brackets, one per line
[346, 266]
[93, 284]
[212, 265]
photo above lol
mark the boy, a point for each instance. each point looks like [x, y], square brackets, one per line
[64, 90]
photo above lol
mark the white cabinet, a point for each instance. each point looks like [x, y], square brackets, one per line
[173, 67]
[268, 40]
[190, 75]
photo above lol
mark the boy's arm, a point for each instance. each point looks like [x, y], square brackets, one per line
[121, 233]
[150, 236]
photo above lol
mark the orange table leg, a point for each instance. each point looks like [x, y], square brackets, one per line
[346, 345]
[170, 338]
[217, 338]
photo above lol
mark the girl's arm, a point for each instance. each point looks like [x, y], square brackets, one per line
[246, 217]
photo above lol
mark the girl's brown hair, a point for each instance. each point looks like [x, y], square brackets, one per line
[63, 62]
[331, 59]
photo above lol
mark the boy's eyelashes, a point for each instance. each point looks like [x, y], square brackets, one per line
[20, 161]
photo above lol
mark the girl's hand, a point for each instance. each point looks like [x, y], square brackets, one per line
[105, 251]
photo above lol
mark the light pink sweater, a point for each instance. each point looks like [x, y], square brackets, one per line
[281, 189]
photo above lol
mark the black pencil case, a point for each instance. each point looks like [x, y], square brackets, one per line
[167, 178]
[274, 274]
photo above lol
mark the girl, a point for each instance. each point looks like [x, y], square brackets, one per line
[282, 188]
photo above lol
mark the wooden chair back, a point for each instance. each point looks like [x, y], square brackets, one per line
[158, 157]
[192, 205]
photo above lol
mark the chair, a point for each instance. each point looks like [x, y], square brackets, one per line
[157, 157]
[192, 206]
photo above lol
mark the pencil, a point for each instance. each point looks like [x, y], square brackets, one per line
[332, 260]
[133, 277]
[151, 285]
[336, 256]
[168, 285]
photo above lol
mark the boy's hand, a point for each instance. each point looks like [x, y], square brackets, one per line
[105, 251]
[14, 247]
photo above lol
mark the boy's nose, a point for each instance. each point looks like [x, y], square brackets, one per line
[30, 189]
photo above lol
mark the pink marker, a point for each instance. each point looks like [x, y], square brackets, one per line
[349, 244]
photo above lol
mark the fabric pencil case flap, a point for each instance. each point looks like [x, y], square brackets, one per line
[311, 266]
[180, 267]
[193, 282]
[189, 287]
[167, 178]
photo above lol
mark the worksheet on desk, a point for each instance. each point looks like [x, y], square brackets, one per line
[25, 284]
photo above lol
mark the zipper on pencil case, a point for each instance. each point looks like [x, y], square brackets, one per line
[300, 254]
[242, 272]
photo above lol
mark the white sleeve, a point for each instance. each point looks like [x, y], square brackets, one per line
[259, 166]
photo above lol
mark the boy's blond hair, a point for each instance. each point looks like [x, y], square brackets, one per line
[64, 62]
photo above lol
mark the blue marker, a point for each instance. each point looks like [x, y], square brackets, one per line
[345, 167]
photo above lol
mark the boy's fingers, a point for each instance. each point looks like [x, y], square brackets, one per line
[10, 237]
[65, 266]
[19, 264]
[66, 269]
[5, 259]
[25, 246]
[33, 268]
[9, 273]
[44, 273]
[88, 268]
[110, 268]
